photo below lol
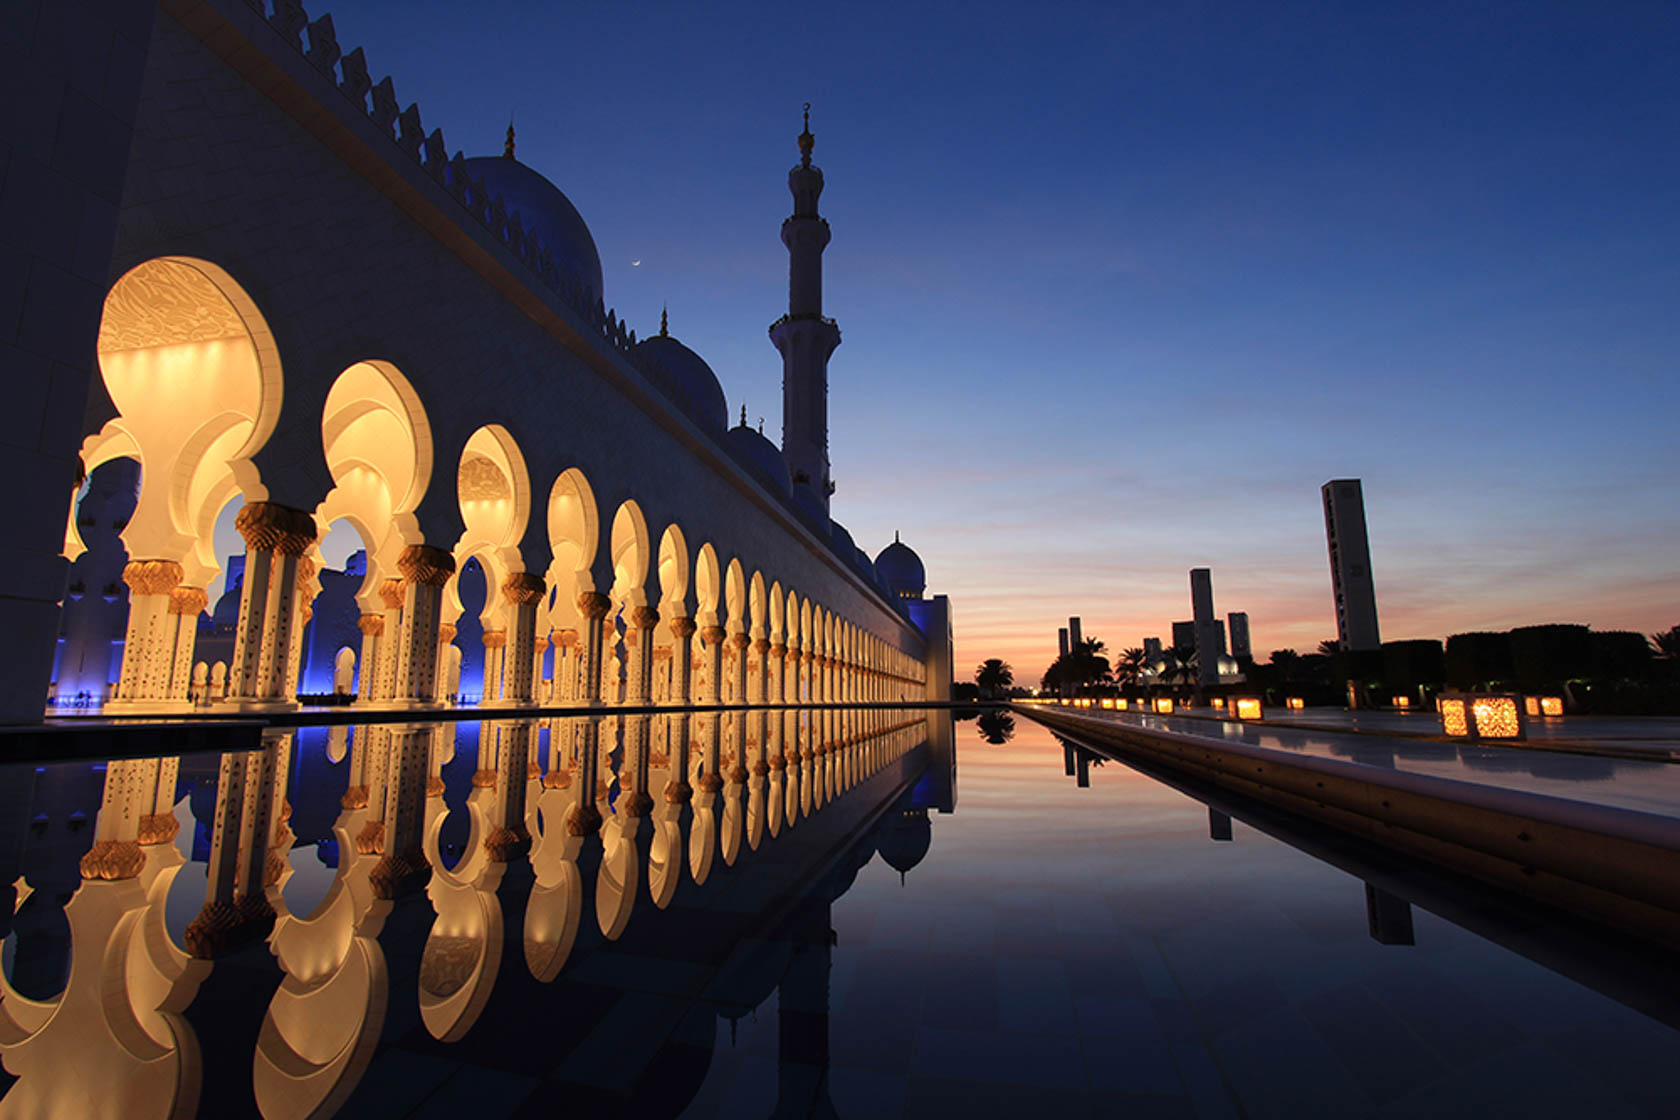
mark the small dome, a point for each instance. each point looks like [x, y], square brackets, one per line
[862, 562]
[901, 570]
[547, 213]
[844, 546]
[762, 459]
[904, 839]
[689, 381]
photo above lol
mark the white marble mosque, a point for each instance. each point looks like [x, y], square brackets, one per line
[346, 330]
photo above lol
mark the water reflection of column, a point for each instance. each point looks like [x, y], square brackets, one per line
[791, 754]
[116, 850]
[508, 837]
[678, 790]
[236, 906]
[633, 780]
[585, 818]
[682, 631]
[706, 730]
[402, 865]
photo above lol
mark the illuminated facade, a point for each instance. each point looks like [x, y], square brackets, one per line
[412, 349]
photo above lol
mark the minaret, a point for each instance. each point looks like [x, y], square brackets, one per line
[803, 336]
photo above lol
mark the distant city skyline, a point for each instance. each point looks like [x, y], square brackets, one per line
[1121, 287]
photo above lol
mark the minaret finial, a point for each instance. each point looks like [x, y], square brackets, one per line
[806, 140]
[507, 147]
[664, 324]
[895, 536]
[743, 415]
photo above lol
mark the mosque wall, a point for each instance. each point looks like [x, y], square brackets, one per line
[72, 74]
[345, 251]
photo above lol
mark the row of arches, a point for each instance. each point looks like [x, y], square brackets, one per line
[195, 382]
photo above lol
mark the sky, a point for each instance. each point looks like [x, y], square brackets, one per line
[1122, 285]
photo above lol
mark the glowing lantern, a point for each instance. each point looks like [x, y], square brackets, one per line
[1296, 703]
[1551, 705]
[1164, 705]
[1483, 716]
[1247, 707]
[1219, 701]
[1402, 701]
[1122, 704]
[1531, 705]
[1108, 704]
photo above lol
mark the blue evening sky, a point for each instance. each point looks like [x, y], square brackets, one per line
[1122, 284]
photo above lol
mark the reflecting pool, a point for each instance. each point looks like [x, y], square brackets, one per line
[743, 914]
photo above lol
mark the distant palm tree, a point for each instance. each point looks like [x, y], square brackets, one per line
[1329, 647]
[1286, 661]
[1667, 643]
[1183, 665]
[993, 676]
[1128, 667]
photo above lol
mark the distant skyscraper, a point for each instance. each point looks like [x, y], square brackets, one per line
[1152, 651]
[1062, 638]
[1239, 634]
[1210, 638]
[1074, 636]
[1184, 635]
[1350, 565]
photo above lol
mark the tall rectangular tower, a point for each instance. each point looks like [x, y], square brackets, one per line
[1350, 565]
[1062, 639]
[1209, 639]
[1075, 636]
[1239, 634]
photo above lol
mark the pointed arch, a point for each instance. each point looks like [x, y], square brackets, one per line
[630, 551]
[707, 585]
[673, 569]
